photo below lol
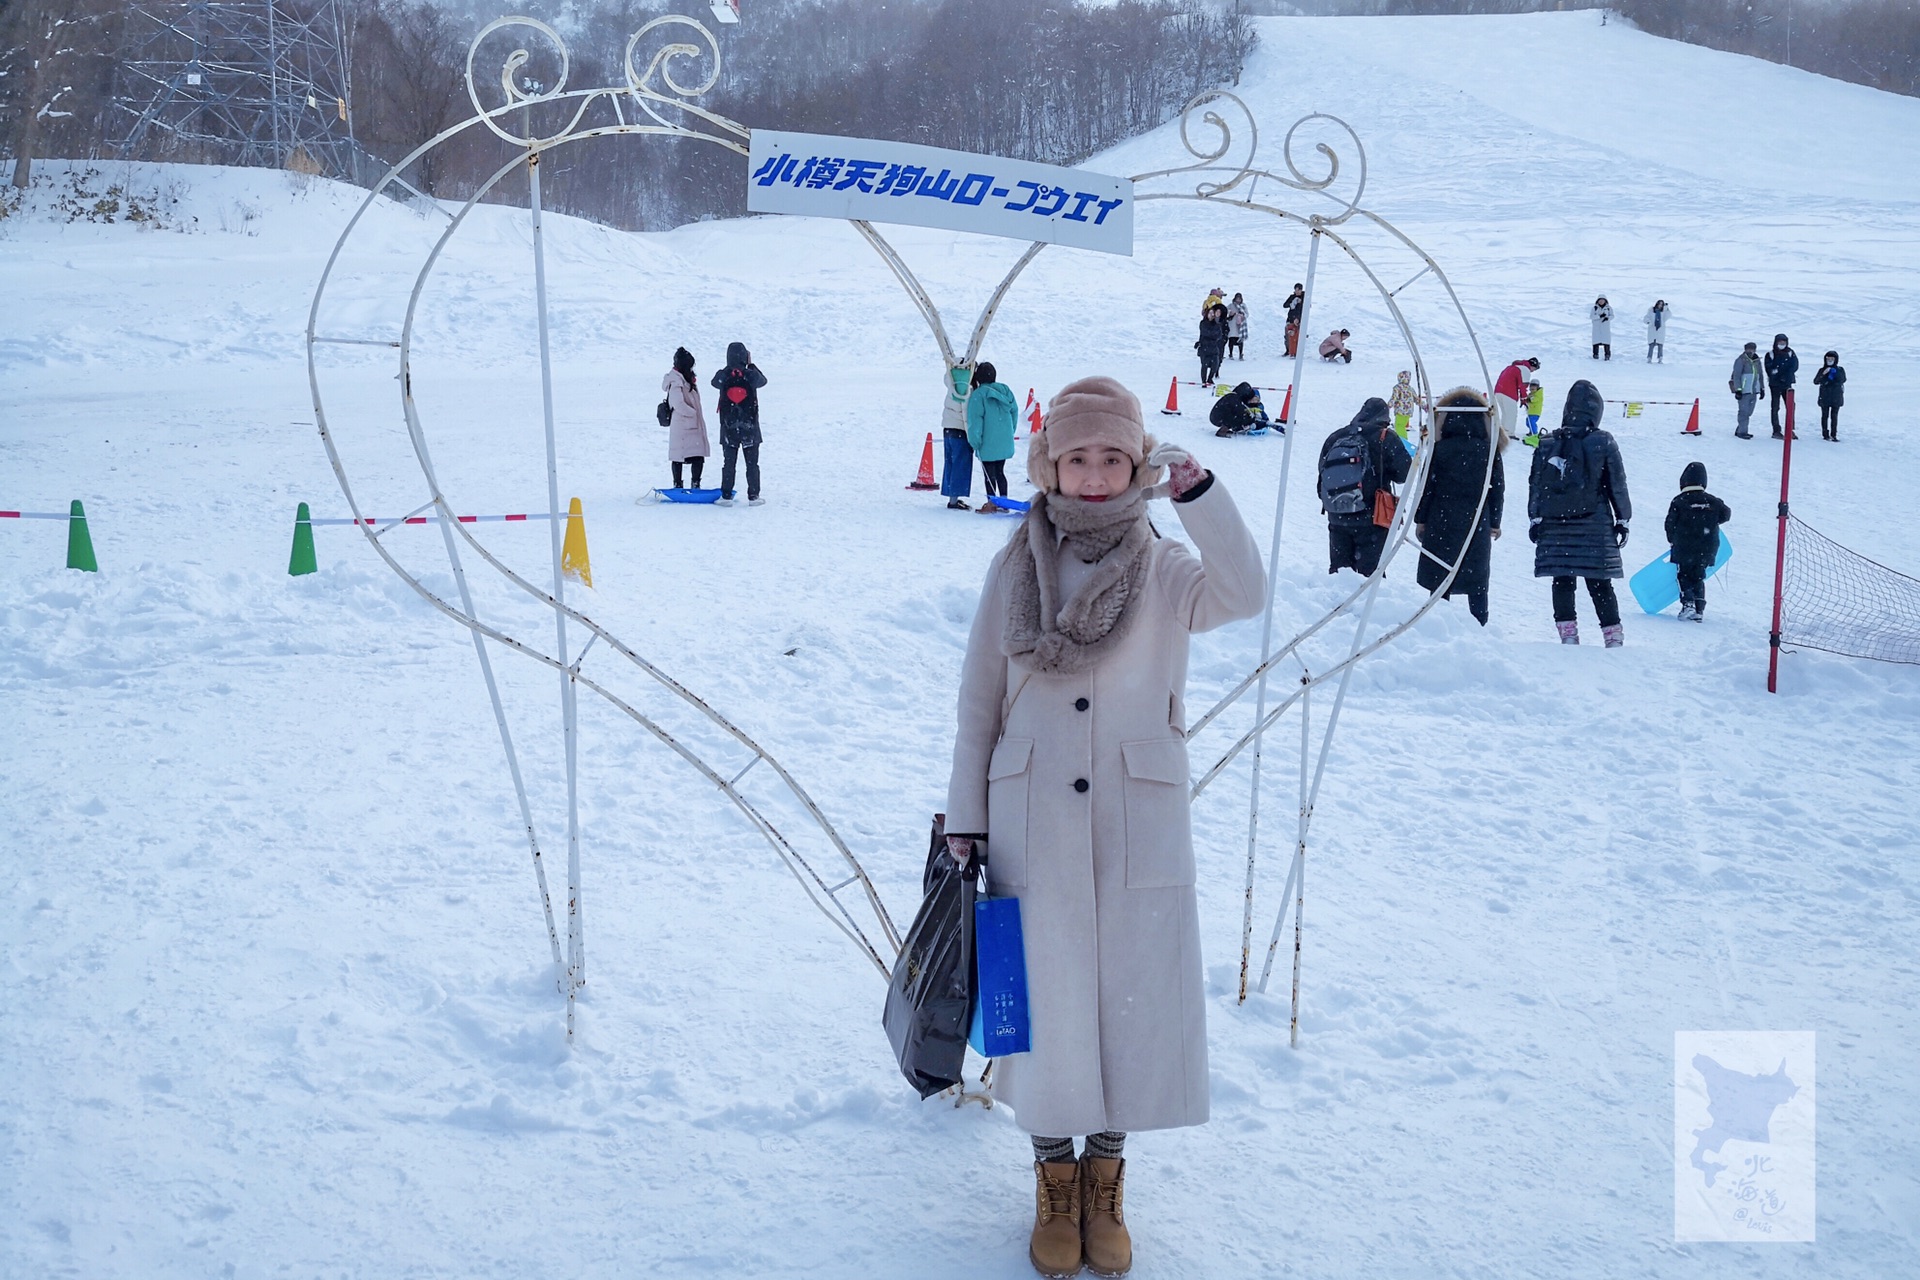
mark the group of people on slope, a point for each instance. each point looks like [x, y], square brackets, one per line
[1656, 320]
[1578, 506]
[1223, 333]
[738, 408]
[978, 421]
[1776, 373]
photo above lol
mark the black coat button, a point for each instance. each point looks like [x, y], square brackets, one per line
[1079, 704]
[1079, 784]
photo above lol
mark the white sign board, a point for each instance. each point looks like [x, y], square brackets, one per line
[828, 177]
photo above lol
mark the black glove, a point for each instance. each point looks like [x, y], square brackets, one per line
[1533, 532]
[1620, 535]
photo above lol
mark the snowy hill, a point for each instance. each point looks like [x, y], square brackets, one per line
[276, 985]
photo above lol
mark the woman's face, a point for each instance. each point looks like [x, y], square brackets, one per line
[1094, 474]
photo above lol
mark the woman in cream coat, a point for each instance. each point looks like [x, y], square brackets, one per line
[1071, 763]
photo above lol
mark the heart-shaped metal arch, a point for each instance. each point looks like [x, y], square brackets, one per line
[850, 902]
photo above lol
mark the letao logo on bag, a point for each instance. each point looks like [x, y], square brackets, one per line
[874, 181]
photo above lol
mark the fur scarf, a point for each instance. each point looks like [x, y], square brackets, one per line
[1045, 634]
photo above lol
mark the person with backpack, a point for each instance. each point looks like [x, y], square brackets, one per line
[738, 409]
[1237, 326]
[687, 442]
[1359, 464]
[956, 472]
[1070, 767]
[1452, 522]
[1747, 383]
[1509, 389]
[1783, 366]
[1657, 316]
[1404, 402]
[1577, 514]
[1296, 305]
[1694, 518]
[1239, 411]
[1602, 327]
[1830, 378]
[990, 424]
[1212, 342]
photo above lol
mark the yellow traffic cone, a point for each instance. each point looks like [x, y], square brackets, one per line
[573, 552]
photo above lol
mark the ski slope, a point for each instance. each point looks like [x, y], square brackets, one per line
[277, 991]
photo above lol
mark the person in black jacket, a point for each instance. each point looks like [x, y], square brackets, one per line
[739, 384]
[1452, 521]
[1354, 541]
[1238, 411]
[1296, 303]
[1694, 518]
[1577, 512]
[1212, 343]
[1782, 365]
[1831, 378]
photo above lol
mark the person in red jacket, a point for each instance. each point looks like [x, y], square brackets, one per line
[1509, 389]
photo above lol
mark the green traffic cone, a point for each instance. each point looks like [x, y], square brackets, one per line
[79, 541]
[303, 560]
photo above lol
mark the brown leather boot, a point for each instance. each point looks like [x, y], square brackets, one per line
[1055, 1250]
[1103, 1229]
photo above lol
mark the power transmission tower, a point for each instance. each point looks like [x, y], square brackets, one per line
[242, 82]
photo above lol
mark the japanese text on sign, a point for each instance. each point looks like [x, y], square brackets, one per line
[928, 186]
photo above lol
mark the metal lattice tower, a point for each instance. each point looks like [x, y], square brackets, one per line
[243, 82]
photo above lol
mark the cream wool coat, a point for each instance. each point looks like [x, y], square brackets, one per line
[687, 433]
[1104, 874]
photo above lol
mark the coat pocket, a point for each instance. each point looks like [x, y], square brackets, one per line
[1159, 837]
[1009, 779]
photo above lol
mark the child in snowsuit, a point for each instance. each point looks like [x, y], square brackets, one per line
[1694, 518]
[1536, 401]
[1830, 379]
[1403, 402]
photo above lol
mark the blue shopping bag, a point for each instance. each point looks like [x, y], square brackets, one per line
[1000, 1022]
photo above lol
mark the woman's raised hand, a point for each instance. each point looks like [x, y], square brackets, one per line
[1183, 473]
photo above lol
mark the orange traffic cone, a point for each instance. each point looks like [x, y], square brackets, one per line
[1693, 420]
[1035, 422]
[1286, 405]
[925, 479]
[1173, 398]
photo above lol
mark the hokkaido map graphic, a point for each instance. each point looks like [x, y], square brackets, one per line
[1743, 1136]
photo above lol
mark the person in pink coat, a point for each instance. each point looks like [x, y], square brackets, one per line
[687, 442]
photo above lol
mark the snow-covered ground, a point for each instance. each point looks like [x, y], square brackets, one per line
[277, 992]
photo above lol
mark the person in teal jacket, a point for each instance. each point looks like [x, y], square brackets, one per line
[990, 422]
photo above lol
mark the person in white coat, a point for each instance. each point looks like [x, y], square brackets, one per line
[687, 442]
[1657, 316]
[1070, 763]
[1602, 328]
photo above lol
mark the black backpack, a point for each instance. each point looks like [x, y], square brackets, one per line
[1346, 466]
[1568, 489]
[735, 390]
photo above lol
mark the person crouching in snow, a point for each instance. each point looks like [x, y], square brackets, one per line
[1070, 766]
[1334, 347]
[1238, 411]
[687, 442]
[1694, 518]
[990, 422]
[1403, 402]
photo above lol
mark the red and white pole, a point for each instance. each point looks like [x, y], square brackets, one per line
[1780, 555]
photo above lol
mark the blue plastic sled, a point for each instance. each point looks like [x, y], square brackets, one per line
[689, 495]
[1000, 1021]
[1657, 587]
[1009, 507]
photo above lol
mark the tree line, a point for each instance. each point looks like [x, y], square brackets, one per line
[1048, 80]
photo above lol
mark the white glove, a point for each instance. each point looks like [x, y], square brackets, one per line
[1183, 473]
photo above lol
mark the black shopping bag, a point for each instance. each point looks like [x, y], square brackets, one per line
[930, 997]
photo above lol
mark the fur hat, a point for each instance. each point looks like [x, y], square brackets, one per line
[1092, 413]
